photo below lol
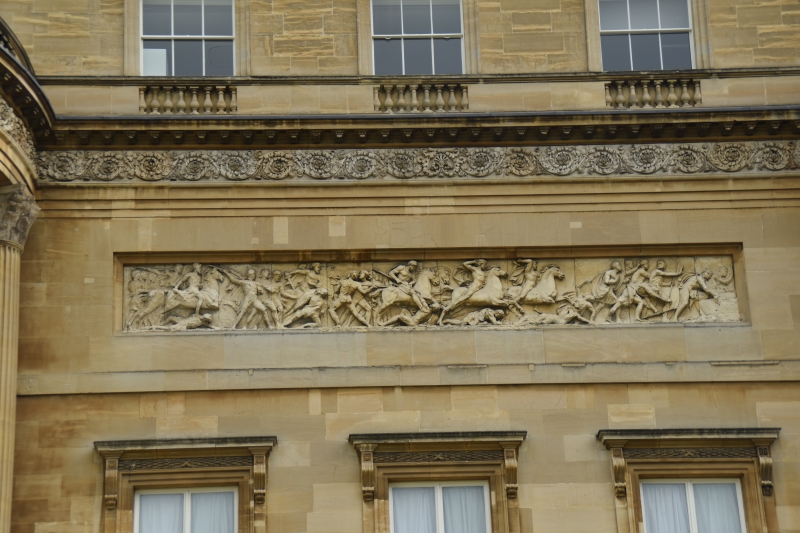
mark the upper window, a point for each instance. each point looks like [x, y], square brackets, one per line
[185, 511]
[645, 35]
[417, 37]
[693, 506]
[447, 507]
[187, 37]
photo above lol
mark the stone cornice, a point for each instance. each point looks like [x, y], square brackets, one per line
[612, 437]
[416, 164]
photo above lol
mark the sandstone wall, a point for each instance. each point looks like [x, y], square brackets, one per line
[564, 473]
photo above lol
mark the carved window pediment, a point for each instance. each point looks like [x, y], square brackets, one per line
[239, 462]
[400, 457]
[737, 453]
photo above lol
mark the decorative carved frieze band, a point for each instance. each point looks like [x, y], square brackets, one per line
[484, 163]
[457, 456]
[16, 129]
[18, 210]
[189, 462]
[689, 453]
[519, 294]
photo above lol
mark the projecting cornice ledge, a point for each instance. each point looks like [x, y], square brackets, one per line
[607, 436]
[438, 437]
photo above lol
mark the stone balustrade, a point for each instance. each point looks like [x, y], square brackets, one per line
[187, 100]
[420, 98]
[637, 93]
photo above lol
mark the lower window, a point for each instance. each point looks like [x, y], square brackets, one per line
[447, 507]
[692, 506]
[208, 510]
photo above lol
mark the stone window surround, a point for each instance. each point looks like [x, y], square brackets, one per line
[698, 21]
[185, 463]
[469, 10]
[133, 40]
[741, 453]
[453, 456]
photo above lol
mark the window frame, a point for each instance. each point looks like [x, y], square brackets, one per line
[187, 503]
[403, 36]
[439, 501]
[690, 503]
[172, 38]
[658, 31]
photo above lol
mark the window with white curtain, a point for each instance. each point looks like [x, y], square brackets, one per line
[416, 37]
[446, 507]
[645, 35]
[211, 510]
[692, 506]
[187, 37]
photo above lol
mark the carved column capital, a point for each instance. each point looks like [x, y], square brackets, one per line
[18, 210]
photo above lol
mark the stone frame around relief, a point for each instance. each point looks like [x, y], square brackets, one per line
[732, 254]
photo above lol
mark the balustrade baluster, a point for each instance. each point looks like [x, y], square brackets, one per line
[155, 105]
[464, 98]
[234, 101]
[646, 94]
[620, 96]
[414, 99]
[608, 94]
[671, 97]
[207, 100]
[439, 99]
[426, 99]
[221, 107]
[452, 103]
[401, 98]
[167, 99]
[142, 102]
[698, 98]
[633, 99]
[376, 100]
[194, 105]
[685, 93]
[388, 102]
[181, 106]
[659, 95]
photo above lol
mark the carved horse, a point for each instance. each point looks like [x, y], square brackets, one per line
[391, 296]
[545, 290]
[490, 295]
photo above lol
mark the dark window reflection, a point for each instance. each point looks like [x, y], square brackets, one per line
[646, 53]
[676, 51]
[188, 58]
[156, 17]
[388, 56]
[616, 52]
[418, 58]
[447, 56]
[218, 18]
[219, 58]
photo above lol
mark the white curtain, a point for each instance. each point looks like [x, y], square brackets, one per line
[717, 507]
[414, 509]
[665, 508]
[212, 512]
[464, 510]
[161, 513]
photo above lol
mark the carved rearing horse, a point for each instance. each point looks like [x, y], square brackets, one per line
[490, 295]
[545, 290]
[391, 296]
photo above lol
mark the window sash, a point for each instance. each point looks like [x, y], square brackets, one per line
[201, 37]
[689, 484]
[439, 500]
[187, 504]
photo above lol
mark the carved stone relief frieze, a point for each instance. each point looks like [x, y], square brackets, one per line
[415, 163]
[15, 127]
[519, 294]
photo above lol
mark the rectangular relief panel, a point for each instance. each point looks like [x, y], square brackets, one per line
[432, 294]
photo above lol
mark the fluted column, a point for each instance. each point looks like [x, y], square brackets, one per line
[17, 213]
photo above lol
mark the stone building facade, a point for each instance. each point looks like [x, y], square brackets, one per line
[310, 284]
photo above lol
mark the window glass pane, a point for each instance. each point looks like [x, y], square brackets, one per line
[414, 509]
[188, 58]
[388, 56]
[416, 16]
[717, 508]
[219, 58]
[613, 15]
[644, 14]
[188, 17]
[156, 17]
[386, 17]
[446, 16]
[616, 52]
[157, 58]
[646, 55]
[464, 510]
[212, 512]
[447, 56]
[219, 17]
[161, 513]
[418, 56]
[674, 14]
[676, 51]
[665, 508]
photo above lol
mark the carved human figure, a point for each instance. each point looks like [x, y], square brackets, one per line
[565, 314]
[693, 289]
[602, 290]
[350, 286]
[475, 268]
[721, 281]
[420, 317]
[310, 278]
[183, 324]
[656, 282]
[193, 280]
[636, 290]
[484, 316]
[252, 289]
[525, 275]
[404, 276]
[311, 308]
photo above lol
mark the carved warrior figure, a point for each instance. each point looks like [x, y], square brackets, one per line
[472, 293]
[17, 213]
